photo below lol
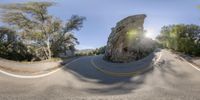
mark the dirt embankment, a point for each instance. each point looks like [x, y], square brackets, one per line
[32, 67]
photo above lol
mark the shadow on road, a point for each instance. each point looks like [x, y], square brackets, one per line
[171, 69]
[85, 72]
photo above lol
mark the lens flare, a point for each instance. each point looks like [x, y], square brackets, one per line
[149, 33]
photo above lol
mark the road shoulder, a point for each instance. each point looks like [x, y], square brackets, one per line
[193, 60]
[31, 69]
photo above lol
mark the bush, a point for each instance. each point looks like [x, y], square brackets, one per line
[14, 51]
[96, 51]
[182, 38]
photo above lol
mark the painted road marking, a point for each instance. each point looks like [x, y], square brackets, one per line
[36, 76]
[195, 67]
[158, 59]
[121, 74]
[118, 74]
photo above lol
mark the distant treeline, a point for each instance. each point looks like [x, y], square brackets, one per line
[96, 51]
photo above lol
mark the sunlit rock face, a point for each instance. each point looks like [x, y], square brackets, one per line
[126, 42]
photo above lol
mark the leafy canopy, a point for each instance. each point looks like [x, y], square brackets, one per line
[44, 34]
[183, 38]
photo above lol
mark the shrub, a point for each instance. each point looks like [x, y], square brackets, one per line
[182, 38]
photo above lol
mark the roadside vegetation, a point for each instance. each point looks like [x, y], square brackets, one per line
[97, 51]
[182, 38]
[30, 33]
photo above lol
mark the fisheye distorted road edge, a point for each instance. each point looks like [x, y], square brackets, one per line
[195, 67]
[54, 71]
[123, 74]
[36, 76]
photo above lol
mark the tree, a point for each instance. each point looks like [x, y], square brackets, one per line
[40, 31]
[11, 47]
[66, 40]
[7, 35]
[183, 38]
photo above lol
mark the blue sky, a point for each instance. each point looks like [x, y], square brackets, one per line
[102, 15]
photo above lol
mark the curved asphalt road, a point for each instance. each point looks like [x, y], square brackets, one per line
[171, 79]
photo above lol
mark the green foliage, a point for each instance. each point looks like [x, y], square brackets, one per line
[182, 38]
[97, 51]
[43, 34]
[10, 47]
[14, 51]
[100, 50]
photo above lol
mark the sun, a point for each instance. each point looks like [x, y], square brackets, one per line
[149, 33]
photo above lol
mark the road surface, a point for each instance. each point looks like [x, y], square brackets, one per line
[171, 79]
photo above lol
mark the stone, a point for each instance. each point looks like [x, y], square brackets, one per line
[126, 41]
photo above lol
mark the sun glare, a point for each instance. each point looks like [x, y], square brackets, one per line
[149, 33]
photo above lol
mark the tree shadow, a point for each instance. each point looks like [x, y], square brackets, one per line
[84, 71]
[192, 59]
[108, 85]
[166, 67]
[168, 70]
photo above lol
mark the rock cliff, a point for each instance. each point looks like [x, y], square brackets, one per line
[125, 42]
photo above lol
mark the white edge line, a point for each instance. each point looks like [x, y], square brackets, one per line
[36, 76]
[159, 57]
[190, 64]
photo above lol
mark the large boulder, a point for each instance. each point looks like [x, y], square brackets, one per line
[126, 41]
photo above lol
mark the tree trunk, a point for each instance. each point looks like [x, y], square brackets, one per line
[48, 48]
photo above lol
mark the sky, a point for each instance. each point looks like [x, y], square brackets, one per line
[102, 15]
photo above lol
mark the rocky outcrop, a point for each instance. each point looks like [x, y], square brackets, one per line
[125, 42]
